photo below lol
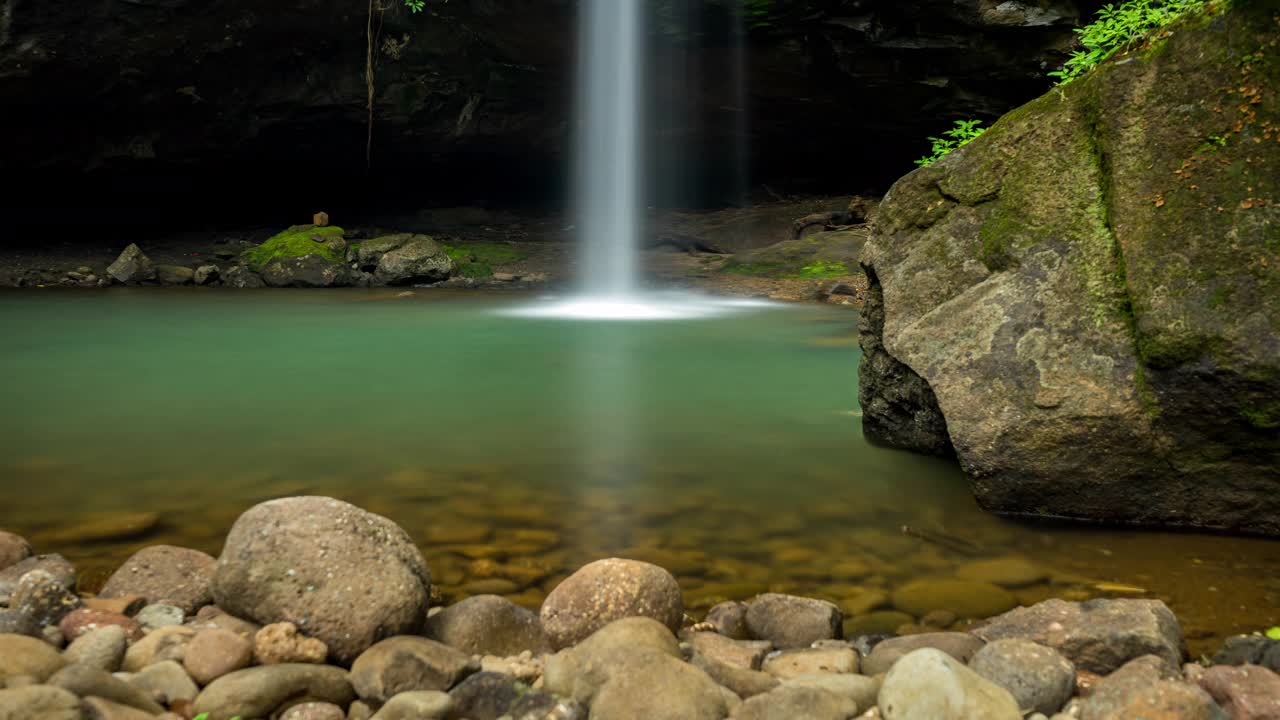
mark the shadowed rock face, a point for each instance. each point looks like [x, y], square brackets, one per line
[1089, 294]
[152, 106]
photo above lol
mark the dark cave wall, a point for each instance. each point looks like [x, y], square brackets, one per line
[165, 110]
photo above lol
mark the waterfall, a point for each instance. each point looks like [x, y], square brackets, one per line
[609, 150]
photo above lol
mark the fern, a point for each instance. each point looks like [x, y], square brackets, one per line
[964, 132]
[1119, 27]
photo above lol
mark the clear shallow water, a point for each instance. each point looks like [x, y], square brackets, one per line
[514, 449]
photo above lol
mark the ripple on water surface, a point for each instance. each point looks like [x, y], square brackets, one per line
[726, 448]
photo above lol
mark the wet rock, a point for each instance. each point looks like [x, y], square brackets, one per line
[490, 696]
[1096, 635]
[165, 574]
[806, 661]
[242, 277]
[929, 683]
[103, 648]
[488, 625]
[608, 590]
[282, 643]
[1038, 677]
[39, 702]
[342, 575]
[747, 654]
[880, 622]
[168, 643]
[87, 681]
[167, 681]
[13, 549]
[416, 259]
[789, 703]
[729, 618]
[421, 705]
[744, 682]
[175, 274]
[314, 711]
[84, 620]
[1010, 572]
[125, 605]
[615, 670]
[966, 598]
[308, 271]
[1148, 687]
[54, 564]
[792, 622]
[215, 652]
[22, 655]
[132, 266]
[1251, 650]
[154, 617]
[256, 692]
[860, 689]
[407, 664]
[960, 646]
[205, 275]
[43, 598]
[1248, 692]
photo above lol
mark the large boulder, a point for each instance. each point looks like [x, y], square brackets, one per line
[132, 266]
[1082, 303]
[405, 259]
[607, 590]
[342, 575]
[301, 256]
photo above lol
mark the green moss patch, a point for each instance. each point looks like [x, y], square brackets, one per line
[477, 260]
[298, 241]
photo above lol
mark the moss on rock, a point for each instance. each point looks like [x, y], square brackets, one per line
[298, 241]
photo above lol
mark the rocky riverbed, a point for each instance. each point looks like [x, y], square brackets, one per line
[318, 610]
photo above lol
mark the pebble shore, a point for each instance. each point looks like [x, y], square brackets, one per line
[318, 610]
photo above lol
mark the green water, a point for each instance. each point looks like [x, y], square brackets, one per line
[516, 449]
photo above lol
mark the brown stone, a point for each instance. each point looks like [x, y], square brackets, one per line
[166, 643]
[282, 643]
[84, 620]
[215, 652]
[164, 574]
[13, 549]
[1247, 692]
[320, 219]
[124, 605]
[608, 590]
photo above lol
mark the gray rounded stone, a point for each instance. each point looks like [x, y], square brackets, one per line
[346, 577]
[87, 681]
[167, 680]
[156, 616]
[13, 549]
[22, 655]
[1038, 677]
[406, 664]
[419, 705]
[39, 701]
[164, 574]
[960, 646]
[789, 621]
[488, 625]
[258, 691]
[103, 648]
[929, 683]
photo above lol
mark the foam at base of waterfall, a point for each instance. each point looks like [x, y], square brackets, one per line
[641, 306]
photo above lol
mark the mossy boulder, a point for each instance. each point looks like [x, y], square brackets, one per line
[403, 259]
[302, 256]
[1083, 304]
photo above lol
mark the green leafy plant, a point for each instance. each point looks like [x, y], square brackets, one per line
[1273, 633]
[415, 6]
[823, 269]
[1119, 27]
[964, 132]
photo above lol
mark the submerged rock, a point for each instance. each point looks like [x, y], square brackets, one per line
[342, 575]
[1047, 302]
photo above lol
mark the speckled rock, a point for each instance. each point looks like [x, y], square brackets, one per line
[966, 598]
[608, 590]
[1248, 692]
[97, 708]
[39, 702]
[1097, 635]
[43, 598]
[1148, 687]
[215, 652]
[1038, 677]
[87, 681]
[488, 625]
[929, 683]
[13, 549]
[103, 648]
[165, 574]
[744, 682]
[792, 622]
[282, 643]
[84, 620]
[258, 691]
[212, 616]
[960, 646]
[342, 575]
[729, 618]
[167, 681]
[168, 643]
[421, 705]
[747, 654]
[491, 696]
[22, 655]
[406, 664]
[805, 661]
[54, 564]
